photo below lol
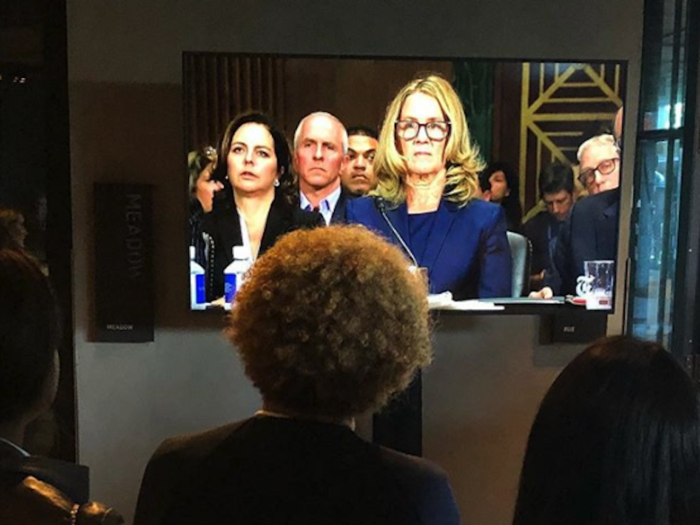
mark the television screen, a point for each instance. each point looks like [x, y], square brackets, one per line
[498, 179]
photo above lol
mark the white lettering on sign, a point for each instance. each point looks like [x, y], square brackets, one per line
[134, 240]
[120, 327]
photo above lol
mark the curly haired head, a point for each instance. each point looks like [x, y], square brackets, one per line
[331, 322]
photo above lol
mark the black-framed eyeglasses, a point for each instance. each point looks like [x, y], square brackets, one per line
[409, 129]
[605, 167]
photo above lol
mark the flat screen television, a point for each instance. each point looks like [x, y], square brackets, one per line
[527, 118]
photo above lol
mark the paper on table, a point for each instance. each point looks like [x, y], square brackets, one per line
[474, 304]
[440, 300]
[444, 301]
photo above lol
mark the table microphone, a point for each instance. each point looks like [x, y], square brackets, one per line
[380, 203]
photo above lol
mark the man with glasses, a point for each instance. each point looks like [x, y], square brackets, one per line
[590, 232]
[599, 164]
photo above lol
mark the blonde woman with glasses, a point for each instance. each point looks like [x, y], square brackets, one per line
[425, 201]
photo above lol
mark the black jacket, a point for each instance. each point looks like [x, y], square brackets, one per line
[272, 471]
[36, 490]
[222, 226]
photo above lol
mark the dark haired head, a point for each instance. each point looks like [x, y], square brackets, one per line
[511, 203]
[616, 441]
[556, 177]
[364, 131]
[288, 187]
[29, 335]
[484, 182]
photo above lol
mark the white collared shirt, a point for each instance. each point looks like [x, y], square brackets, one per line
[325, 207]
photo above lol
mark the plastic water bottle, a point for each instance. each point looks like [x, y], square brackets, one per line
[198, 296]
[235, 273]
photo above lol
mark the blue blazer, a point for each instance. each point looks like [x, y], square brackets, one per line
[467, 251]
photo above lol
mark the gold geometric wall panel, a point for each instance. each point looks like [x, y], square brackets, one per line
[562, 104]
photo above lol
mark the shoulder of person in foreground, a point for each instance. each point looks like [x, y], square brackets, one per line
[426, 485]
[32, 502]
[172, 464]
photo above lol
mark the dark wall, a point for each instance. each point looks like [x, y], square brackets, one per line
[126, 125]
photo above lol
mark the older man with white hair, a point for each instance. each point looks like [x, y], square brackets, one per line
[599, 164]
[320, 145]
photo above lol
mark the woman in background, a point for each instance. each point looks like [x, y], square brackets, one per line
[329, 325]
[504, 189]
[259, 196]
[616, 441]
[426, 167]
[200, 164]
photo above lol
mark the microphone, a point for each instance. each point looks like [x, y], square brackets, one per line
[380, 204]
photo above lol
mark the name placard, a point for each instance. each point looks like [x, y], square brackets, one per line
[123, 242]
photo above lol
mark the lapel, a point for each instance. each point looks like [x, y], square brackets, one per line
[338, 216]
[611, 204]
[224, 226]
[399, 218]
[606, 233]
[445, 216]
[446, 213]
[279, 220]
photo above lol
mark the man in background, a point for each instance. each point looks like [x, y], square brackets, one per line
[320, 146]
[358, 176]
[599, 164]
[556, 187]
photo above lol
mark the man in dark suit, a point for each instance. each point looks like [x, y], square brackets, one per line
[590, 233]
[321, 350]
[556, 186]
[320, 146]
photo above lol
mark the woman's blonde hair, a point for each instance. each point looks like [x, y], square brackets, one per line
[461, 156]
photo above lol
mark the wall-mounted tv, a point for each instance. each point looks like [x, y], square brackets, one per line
[527, 212]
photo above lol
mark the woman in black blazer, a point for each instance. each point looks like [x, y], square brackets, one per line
[258, 203]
